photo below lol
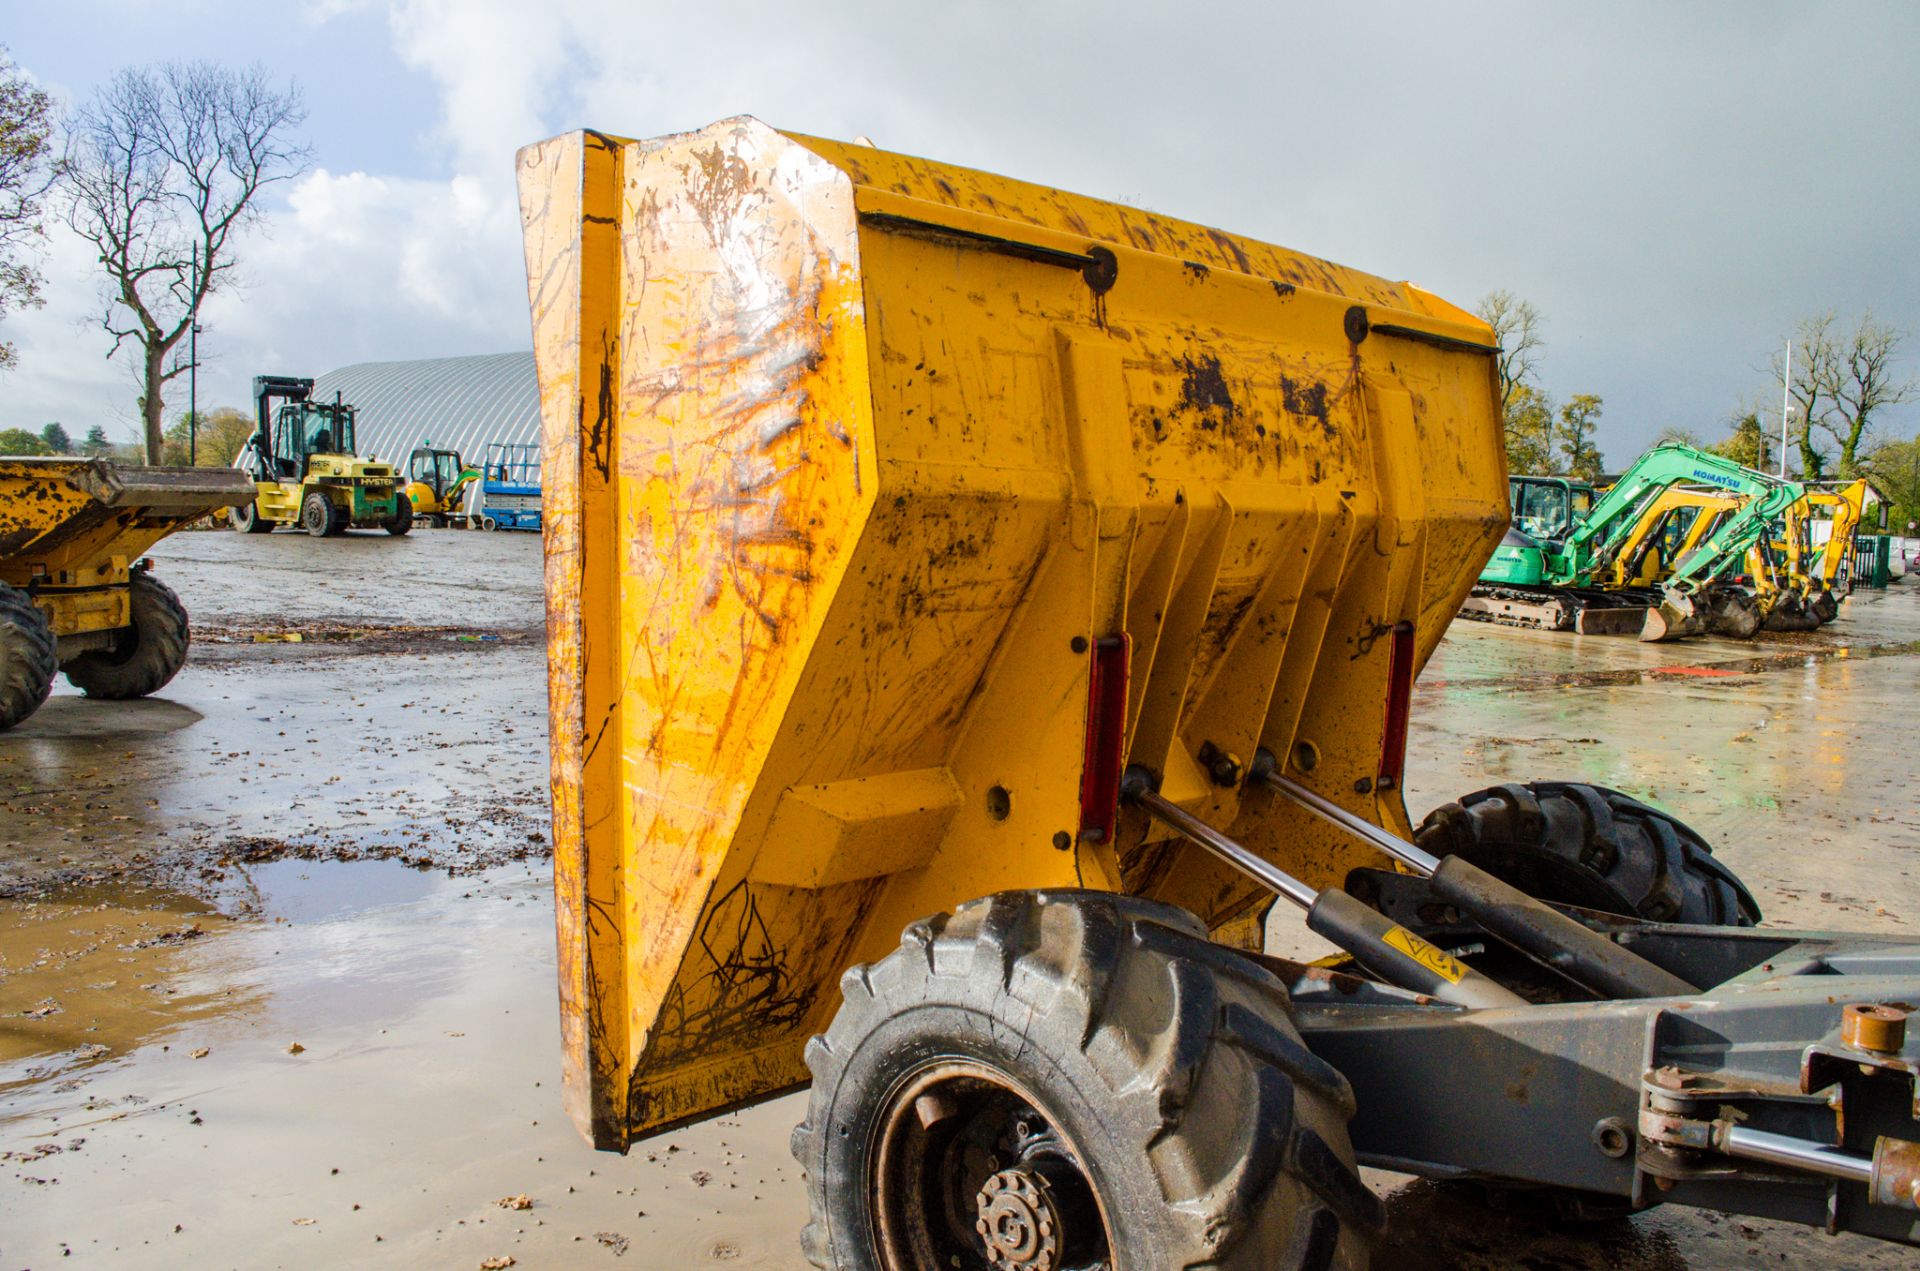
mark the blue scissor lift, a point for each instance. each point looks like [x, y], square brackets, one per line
[510, 487]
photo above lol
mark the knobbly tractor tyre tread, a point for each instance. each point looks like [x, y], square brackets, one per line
[1212, 1135]
[1587, 845]
[149, 655]
[1594, 847]
[27, 658]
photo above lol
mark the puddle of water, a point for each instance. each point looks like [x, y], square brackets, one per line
[96, 974]
[88, 975]
[323, 891]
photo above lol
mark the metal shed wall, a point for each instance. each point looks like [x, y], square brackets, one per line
[456, 403]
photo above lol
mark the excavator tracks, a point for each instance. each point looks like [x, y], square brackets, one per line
[1585, 610]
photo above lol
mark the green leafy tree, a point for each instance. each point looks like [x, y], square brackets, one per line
[1529, 431]
[1516, 328]
[1573, 434]
[1746, 440]
[161, 171]
[18, 441]
[1894, 468]
[96, 443]
[26, 130]
[56, 439]
[220, 435]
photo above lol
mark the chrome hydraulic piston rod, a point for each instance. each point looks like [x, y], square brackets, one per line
[1814, 1158]
[1375, 941]
[1891, 1173]
[1535, 929]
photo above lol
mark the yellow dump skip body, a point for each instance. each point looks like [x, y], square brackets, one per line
[71, 528]
[849, 457]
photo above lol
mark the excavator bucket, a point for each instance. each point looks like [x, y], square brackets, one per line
[891, 508]
[1620, 619]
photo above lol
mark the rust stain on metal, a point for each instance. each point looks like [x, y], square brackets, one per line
[1896, 1173]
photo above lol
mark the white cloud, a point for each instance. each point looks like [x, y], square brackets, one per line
[1663, 183]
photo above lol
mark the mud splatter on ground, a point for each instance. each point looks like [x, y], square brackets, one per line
[276, 976]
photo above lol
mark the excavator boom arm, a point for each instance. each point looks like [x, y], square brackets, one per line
[1598, 538]
[1732, 539]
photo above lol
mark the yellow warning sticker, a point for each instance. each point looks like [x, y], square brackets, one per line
[1436, 961]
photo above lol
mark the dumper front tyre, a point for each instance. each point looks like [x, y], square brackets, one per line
[402, 520]
[1590, 846]
[146, 655]
[1053, 1080]
[247, 519]
[27, 660]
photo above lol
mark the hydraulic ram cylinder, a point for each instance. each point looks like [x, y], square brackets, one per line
[1375, 941]
[1538, 930]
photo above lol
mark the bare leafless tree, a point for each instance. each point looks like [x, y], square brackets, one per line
[1516, 326]
[1842, 382]
[161, 170]
[1812, 373]
[26, 132]
[1866, 380]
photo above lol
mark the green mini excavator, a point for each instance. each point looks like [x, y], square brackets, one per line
[1550, 572]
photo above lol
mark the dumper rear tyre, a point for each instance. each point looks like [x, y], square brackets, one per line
[147, 655]
[1053, 1080]
[27, 660]
[1586, 845]
[1593, 847]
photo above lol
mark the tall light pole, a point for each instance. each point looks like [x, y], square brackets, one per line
[192, 373]
[193, 395]
[1786, 406]
[193, 369]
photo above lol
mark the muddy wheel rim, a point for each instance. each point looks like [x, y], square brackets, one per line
[970, 1173]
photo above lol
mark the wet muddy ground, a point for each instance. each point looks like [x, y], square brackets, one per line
[276, 983]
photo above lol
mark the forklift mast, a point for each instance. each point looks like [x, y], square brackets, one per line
[268, 389]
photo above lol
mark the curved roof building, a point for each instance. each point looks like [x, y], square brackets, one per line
[454, 403]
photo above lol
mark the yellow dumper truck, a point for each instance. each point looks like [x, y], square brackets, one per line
[969, 605]
[75, 595]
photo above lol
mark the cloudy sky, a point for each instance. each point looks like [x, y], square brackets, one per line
[1673, 185]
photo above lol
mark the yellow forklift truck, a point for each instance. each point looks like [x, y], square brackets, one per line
[305, 471]
[1025, 590]
[75, 594]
